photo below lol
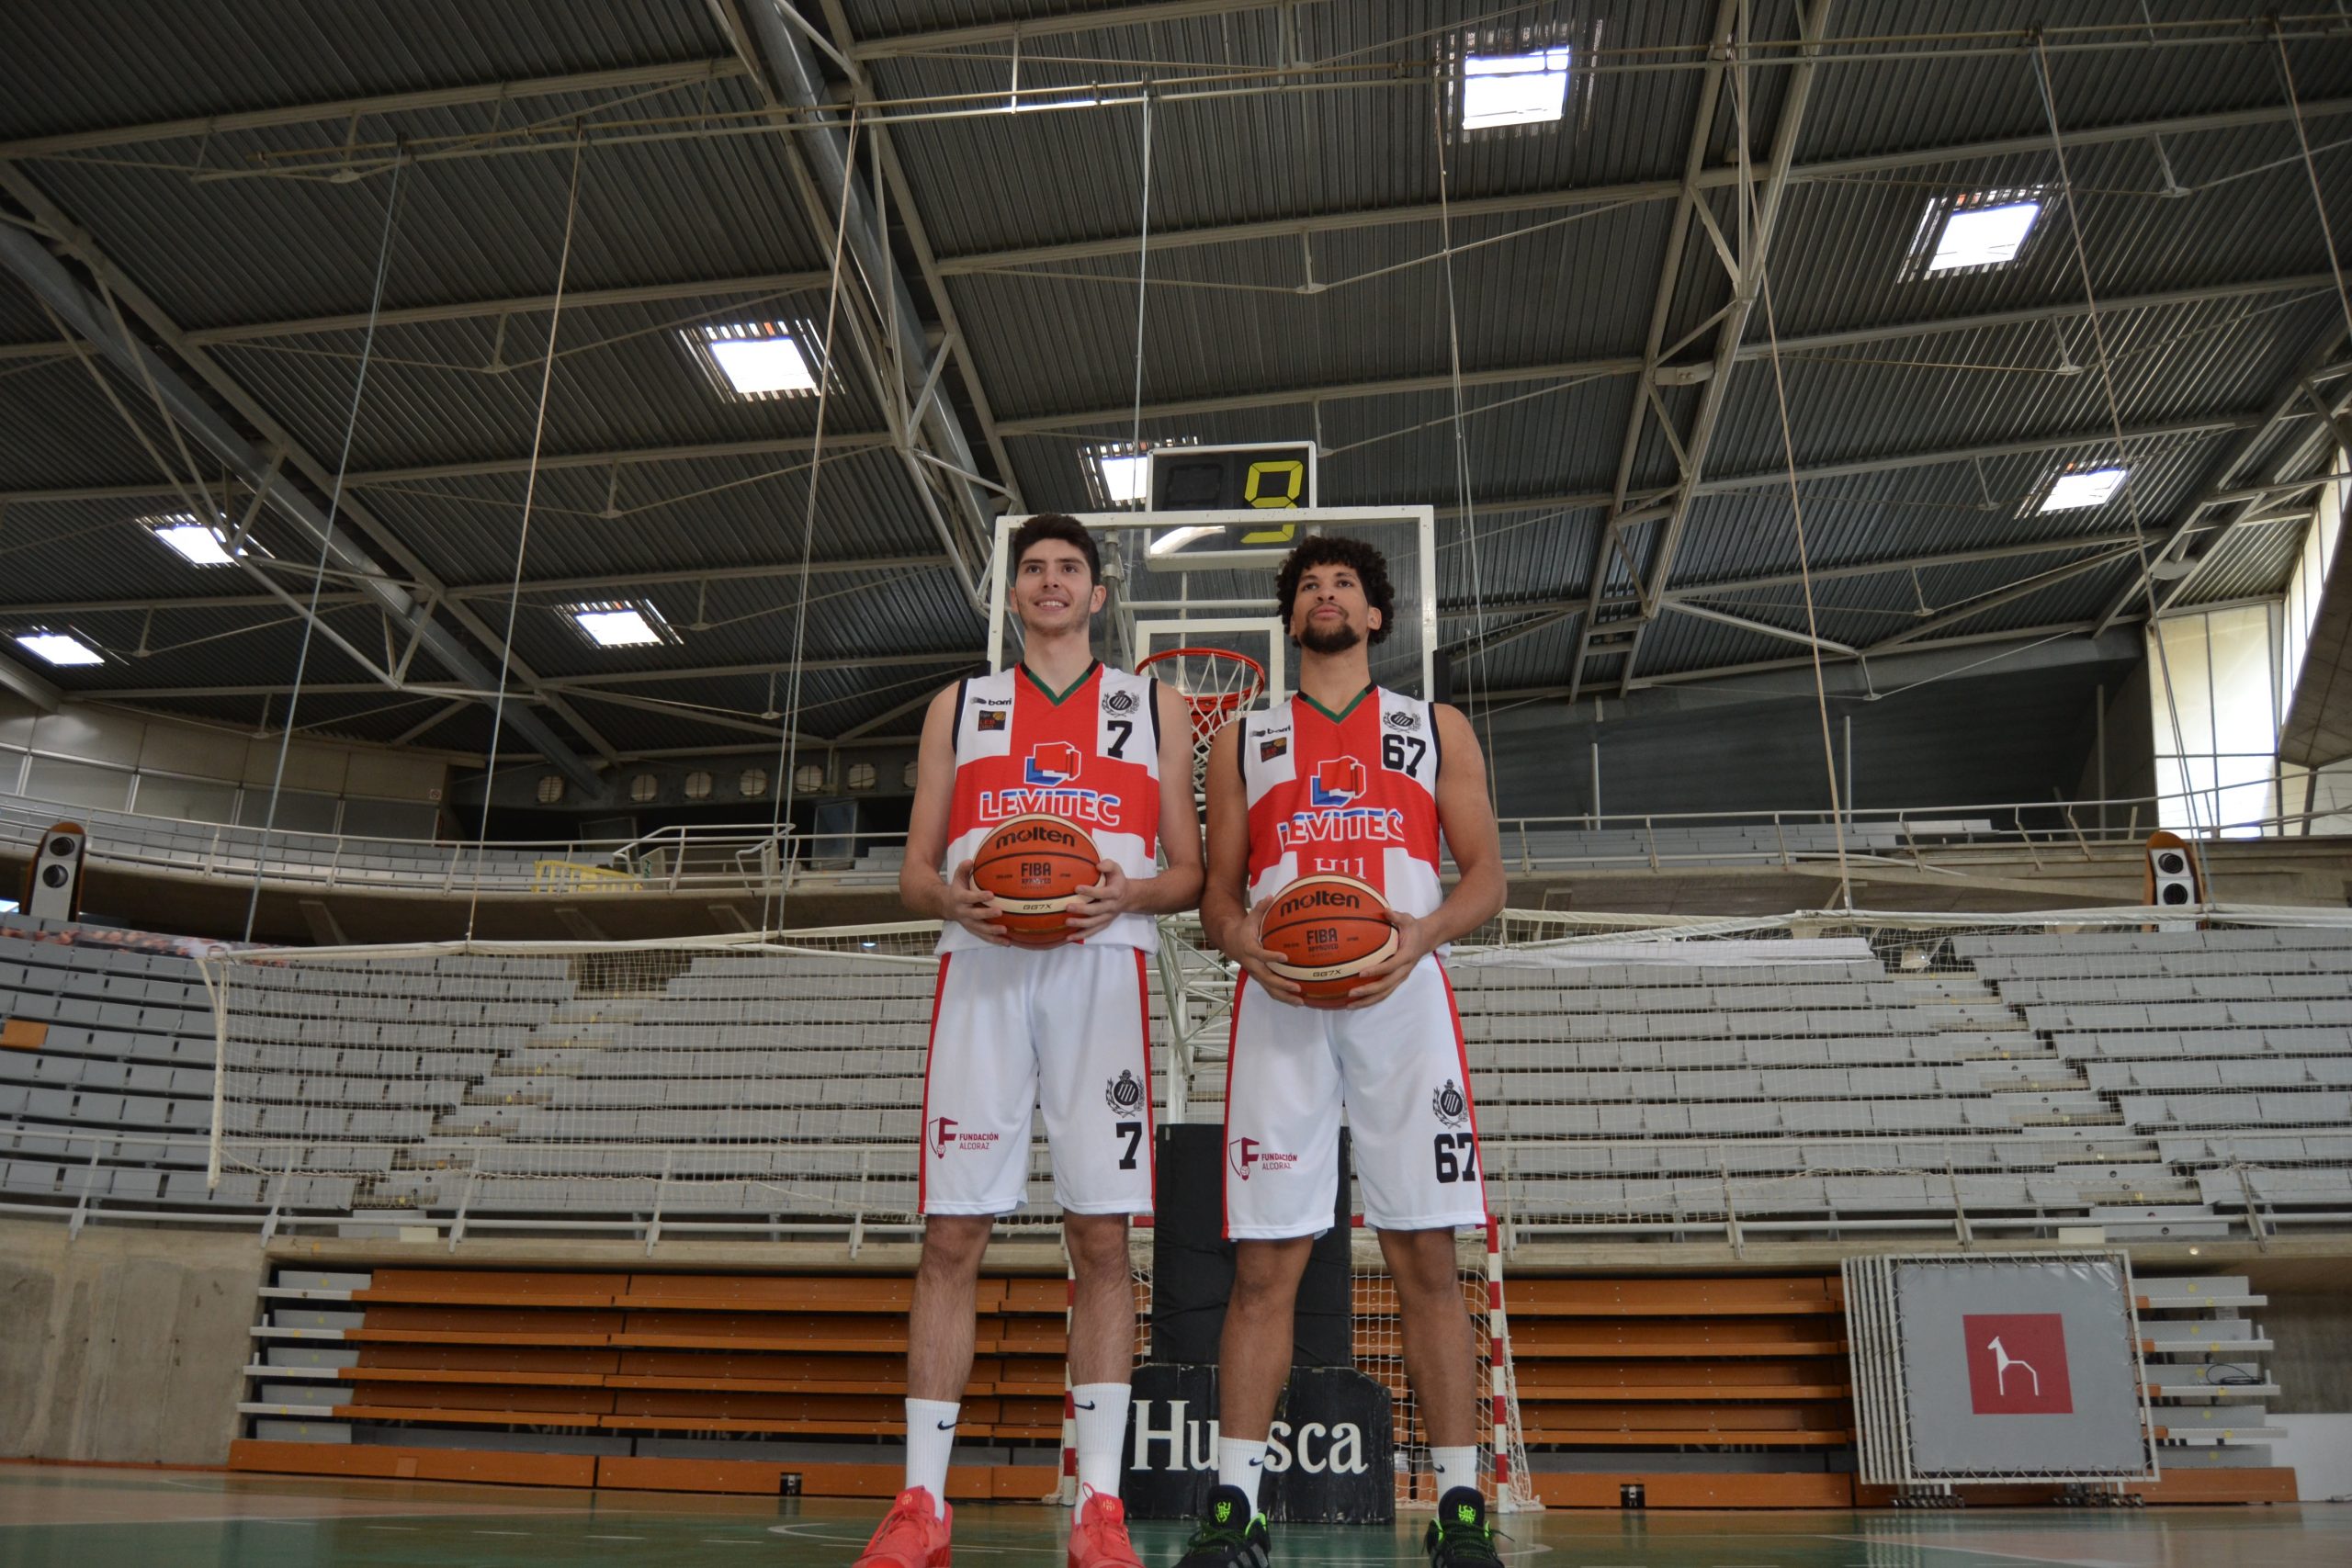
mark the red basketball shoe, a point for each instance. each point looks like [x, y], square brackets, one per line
[911, 1535]
[1099, 1537]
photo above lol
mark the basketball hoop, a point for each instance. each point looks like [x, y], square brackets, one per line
[1216, 681]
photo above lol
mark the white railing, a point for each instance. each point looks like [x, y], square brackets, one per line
[754, 858]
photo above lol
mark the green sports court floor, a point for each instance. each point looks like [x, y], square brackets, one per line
[100, 1518]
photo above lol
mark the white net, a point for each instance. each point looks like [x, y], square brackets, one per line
[1379, 1349]
[1380, 1354]
[1215, 683]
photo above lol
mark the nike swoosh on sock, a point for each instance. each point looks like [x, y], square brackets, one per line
[947, 1425]
[1075, 1404]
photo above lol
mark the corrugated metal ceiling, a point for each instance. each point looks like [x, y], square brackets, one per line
[1270, 315]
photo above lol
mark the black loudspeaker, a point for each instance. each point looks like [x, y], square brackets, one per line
[1192, 1263]
[53, 886]
[2173, 881]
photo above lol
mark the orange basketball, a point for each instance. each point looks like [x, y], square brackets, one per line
[1031, 865]
[1328, 930]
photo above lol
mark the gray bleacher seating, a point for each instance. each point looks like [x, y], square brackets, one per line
[2046, 1076]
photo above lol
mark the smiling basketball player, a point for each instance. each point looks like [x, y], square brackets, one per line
[1059, 734]
[1351, 778]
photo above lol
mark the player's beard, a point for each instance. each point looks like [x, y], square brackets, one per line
[1336, 638]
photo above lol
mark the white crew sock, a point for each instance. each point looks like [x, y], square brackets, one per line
[1454, 1467]
[1101, 1409]
[931, 1438]
[1241, 1463]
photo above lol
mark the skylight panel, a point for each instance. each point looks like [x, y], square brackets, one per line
[1514, 89]
[61, 649]
[1127, 477]
[621, 625]
[1976, 230]
[195, 542]
[2087, 487]
[1118, 473]
[753, 360]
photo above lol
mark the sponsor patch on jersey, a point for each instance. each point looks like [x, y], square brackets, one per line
[1272, 747]
[1338, 780]
[1050, 763]
[1340, 825]
[1093, 807]
[988, 721]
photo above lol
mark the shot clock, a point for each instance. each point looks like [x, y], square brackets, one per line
[1270, 477]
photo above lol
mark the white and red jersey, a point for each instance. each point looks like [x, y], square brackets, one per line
[1090, 756]
[1353, 792]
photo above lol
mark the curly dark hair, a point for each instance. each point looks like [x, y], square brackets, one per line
[1326, 550]
[1056, 526]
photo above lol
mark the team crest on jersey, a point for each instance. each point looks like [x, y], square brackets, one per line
[1338, 781]
[1121, 701]
[1451, 1105]
[1272, 747]
[1124, 1094]
[1404, 718]
[1050, 763]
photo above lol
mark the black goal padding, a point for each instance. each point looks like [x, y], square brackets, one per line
[1330, 1452]
[1192, 1263]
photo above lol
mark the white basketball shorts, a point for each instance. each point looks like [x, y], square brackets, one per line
[1064, 1028]
[1399, 1070]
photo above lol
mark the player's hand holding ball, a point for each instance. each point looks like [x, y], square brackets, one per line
[1246, 947]
[1096, 906]
[1413, 944]
[972, 907]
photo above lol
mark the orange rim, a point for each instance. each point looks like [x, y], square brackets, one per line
[1212, 706]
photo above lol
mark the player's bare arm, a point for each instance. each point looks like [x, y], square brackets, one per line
[1178, 885]
[921, 888]
[1226, 916]
[1466, 817]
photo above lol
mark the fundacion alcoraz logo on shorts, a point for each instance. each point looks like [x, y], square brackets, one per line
[942, 1135]
[1248, 1156]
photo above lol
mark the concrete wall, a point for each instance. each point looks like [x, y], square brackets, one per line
[125, 1344]
[94, 756]
[2312, 1363]
[2130, 740]
[2318, 1448]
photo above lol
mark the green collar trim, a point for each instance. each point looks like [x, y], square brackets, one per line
[1055, 697]
[1341, 716]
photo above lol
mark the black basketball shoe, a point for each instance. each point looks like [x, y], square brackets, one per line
[1231, 1535]
[1460, 1537]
